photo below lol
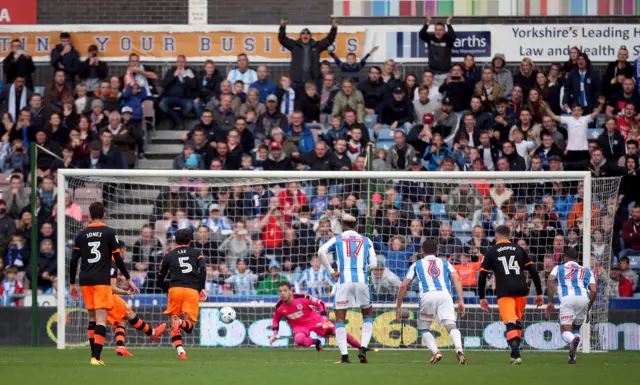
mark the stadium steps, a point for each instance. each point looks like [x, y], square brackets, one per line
[156, 164]
[130, 211]
[163, 151]
[169, 137]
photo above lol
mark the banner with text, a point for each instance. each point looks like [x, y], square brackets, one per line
[18, 12]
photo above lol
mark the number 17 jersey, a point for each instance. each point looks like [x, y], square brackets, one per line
[508, 262]
[353, 254]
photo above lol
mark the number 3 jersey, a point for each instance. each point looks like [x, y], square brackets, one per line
[185, 266]
[433, 274]
[96, 244]
[508, 262]
[353, 254]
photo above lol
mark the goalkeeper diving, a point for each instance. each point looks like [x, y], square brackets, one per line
[299, 310]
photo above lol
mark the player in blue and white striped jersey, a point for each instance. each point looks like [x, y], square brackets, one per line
[316, 279]
[577, 290]
[434, 278]
[354, 255]
[243, 73]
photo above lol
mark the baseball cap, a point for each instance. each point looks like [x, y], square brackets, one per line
[214, 206]
[274, 263]
[272, 98]
[126, 109]
[415, 160]
[275, 145]
[556, 158]
[305, 30]
[189, 144]
[428, 119]
[398, 90]
[95, 145]
[446, 101]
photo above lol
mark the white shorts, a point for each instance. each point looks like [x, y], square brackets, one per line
[351, 295]
[432, 304]
[573, 310]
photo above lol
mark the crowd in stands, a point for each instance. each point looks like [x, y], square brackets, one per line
[455, 116]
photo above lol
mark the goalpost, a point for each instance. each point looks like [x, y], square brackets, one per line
[396, 209]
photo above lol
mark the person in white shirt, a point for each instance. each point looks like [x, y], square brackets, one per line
[577, 153]
[427, 81]
[243, 73]
[577, 290]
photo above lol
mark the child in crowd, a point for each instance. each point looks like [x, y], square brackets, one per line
[336, 131]
[309, 103]
[288, 96]
[11, 287]
[351, 69]
[320, 203]
[238, 90]
[82, 99]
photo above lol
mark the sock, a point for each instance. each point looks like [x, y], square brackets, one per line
[90, 333]
[341, 338]
[120, 336]
[367, 330]
[456, 337]
[187, 326]
[142, 326]
[176, 338]
[514, 336]
[353, 342]
[515, 347]
[429, 341]
[98, 341]
[568, 337]
[303, 340]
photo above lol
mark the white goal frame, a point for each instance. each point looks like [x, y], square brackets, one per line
[585, 176]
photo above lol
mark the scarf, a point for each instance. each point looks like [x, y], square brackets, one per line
[12, 101]
[138, 78]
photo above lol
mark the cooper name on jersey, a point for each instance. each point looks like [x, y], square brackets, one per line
[503, 248]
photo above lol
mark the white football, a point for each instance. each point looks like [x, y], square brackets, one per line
[227, 315]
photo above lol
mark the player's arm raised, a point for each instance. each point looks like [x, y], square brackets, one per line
[533, 273]
[551, 292]
[487, 264]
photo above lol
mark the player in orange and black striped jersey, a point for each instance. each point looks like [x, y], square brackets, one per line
[187, 274]
[508, 262]
[97, 247]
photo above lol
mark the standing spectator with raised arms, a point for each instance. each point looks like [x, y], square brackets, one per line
[305, 52]
[440, 45]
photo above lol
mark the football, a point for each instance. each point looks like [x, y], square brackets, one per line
[227, 315]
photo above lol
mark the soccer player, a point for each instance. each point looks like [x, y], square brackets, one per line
[354, 254]
[316, 279]
[120, 313]
[300, 312]
[97, 246]
[575, 282]
[188, 273]
[434, 277]
[508, 262]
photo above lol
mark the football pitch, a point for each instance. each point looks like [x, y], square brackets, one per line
[266, 366]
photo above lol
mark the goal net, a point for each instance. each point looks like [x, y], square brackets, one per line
[257, 229]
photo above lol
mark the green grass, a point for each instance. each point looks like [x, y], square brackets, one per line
[253, 366]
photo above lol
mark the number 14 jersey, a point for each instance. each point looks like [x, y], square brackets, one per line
[508, 262]
[433, 273]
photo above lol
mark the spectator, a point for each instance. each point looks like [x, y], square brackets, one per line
[397, 252]
[410, 85]
[401, 153]
[208, 81]
[15, 98]
[489, 217]
[516, 162]
[383, 281]
[572, 63]
[64, 57]
[39, 113]
[463, 201]
[478, 244]
[270, 120]
[503, 120]
[470, 71]
[56, 92]
[180, 90]
[223, 119]
[619, 100]
[583, 86]
[328, 91]
[269, 285]
[483, 119]
[619, 286]
[253, 102]
[615, 74]
[501, 74]
[321, 159]
[440, 45]
[435, 153]
[425, 105]
[602, 167]
[47, 265]
[143, 76]
[217, 223]
[349, 97]
[262, 84]
[526, 77]
[373, 91]
[396, 112]
[272, 225]
[300, 134]
[188, 158]
[516, 101]
[550, 125]
[16, 196]
[287, 96]
[489, 90]
[18, 63]
[556, 88]
[305, 52]
[547, 149]
[147, 251]
[500, 194]
[427, 81]
[113, 156]
[336, 130]
[627, 272]
[133, 97]
[390, 74]
[627, 121]
[7, 227]
[243, 281]
[447, 244]
[489, 150]
[457, 89]
[577, 127]
[277, 160]
[351, 69]
[92, 70]
[243, 72]
[237, 245]
[45, 161]
[309, 103]
[611, 142]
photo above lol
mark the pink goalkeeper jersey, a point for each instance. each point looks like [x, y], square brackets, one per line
[301, 312]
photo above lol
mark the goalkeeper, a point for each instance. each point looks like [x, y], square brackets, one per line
[300, 312]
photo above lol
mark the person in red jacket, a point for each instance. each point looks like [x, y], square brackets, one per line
[631, 233]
